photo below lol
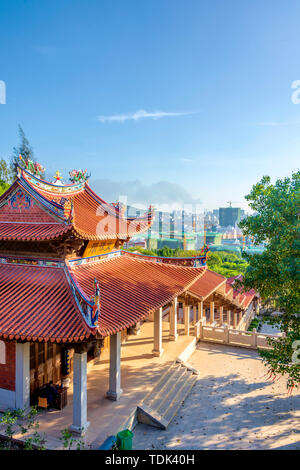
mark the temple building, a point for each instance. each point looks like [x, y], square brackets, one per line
[68, 289]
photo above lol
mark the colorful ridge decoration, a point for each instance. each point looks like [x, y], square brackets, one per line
[96, 304]
[34, 167]
[77, 176]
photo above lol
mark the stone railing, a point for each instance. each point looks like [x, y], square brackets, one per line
[230, 336]
[246, 318]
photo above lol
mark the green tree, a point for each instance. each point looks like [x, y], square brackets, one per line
[24, 148]
[5, 176]
[275, 273]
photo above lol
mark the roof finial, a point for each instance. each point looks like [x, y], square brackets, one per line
[58, 178]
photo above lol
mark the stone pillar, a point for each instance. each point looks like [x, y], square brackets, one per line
[186, 319]
[226, 334]
[212, 312]
[221, 316]
[157, 350]
[173, 320]
[80, 423]
[200, 310]
[23, 375]
[115, 390]
[254, 338]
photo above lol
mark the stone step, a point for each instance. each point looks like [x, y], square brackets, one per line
[160, 384]
[162, 395]
[172, 391]
[179, 399]
[160, 406]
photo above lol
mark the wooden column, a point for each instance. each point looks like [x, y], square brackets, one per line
[200, 310]
[157, 350]
[229, 318]
[194, 314]
[221, 315]
[235, 318]
[212, 312]
[173, 320]
[186, 319]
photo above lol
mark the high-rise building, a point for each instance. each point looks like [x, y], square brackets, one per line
[229, 216]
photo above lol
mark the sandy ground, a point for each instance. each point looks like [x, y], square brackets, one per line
[232, 406]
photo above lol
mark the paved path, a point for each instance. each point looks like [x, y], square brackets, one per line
[232, 406]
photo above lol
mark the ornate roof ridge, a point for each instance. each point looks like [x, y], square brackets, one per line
[43, 184]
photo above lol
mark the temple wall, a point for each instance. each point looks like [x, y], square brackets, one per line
[7, 374]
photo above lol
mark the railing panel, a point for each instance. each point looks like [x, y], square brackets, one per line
[213, 334]
[240, 337]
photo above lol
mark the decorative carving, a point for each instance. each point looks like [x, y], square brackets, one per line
[20, 201]
[33, 167]
[78, 176]
[95, 313]
[69, 210]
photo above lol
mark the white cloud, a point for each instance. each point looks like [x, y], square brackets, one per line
[137, 115]
[186, 160]
[272, 123]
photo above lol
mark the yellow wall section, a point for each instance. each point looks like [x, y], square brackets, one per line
[95, 248]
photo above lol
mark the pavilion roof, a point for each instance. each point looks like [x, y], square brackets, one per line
[33, 209]
[131, 288]
[92, 217]
[242, 298]
[207, 284]
[48, 300]
[37, 304]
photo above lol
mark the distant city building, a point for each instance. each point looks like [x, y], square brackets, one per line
[229, 216]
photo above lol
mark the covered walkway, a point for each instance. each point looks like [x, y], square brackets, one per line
[140, 370]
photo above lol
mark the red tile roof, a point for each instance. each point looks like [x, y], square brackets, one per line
[21, 231]
[37, 304]
[208, 283]
[131, 288]
[93, 218]
[243, 299]
[25, 216]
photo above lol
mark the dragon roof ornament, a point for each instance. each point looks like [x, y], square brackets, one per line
[33, 167]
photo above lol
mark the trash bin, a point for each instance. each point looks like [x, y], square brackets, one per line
[124, 440]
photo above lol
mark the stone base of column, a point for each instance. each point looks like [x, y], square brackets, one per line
[157, 352]
[80, 431]
[173, 337]
[114, 396]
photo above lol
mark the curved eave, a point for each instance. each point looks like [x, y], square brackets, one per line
[130, 289]
[41, 234]
[111, 235]
[37, 304]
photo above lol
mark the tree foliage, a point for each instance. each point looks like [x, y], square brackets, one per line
[24, 148]
[5, 176]
[223, 262]
[275, 273]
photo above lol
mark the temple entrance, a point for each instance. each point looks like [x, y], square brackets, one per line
[45, 365]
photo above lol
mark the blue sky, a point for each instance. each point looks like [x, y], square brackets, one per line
[194, 93]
